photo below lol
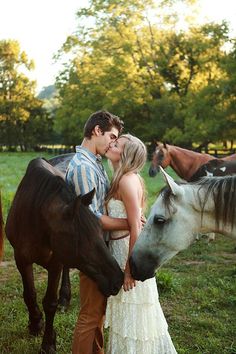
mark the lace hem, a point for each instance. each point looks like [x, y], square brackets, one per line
[161, 345]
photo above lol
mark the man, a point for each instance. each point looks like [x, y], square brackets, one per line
[84, 173]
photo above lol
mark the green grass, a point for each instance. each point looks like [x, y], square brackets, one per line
[197, 288]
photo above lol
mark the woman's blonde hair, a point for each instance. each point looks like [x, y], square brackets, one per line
[132, 159]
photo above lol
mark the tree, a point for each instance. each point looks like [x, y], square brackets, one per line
[141, 68]
[21, 113]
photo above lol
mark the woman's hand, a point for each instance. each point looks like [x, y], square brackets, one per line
[129, 282]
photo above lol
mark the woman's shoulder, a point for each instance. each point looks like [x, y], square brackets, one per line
[131, 176]
[128, 180]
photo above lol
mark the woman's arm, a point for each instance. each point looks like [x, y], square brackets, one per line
[130, 192]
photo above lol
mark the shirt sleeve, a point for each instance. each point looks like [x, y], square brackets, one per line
[85, 179]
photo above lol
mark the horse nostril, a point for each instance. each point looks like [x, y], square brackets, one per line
[152, 172]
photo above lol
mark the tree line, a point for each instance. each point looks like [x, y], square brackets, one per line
[131, 58]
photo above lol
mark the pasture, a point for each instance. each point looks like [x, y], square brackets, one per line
[197, 288]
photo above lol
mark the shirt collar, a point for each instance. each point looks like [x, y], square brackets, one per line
[88, 153]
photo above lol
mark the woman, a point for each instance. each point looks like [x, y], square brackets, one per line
[135, 319]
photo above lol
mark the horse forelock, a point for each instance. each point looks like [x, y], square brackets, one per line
[158, 155]
[87, 227]
[167, 197]
[222, 190]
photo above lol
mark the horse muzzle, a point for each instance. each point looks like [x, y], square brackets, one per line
[141, 272]
[153, 171]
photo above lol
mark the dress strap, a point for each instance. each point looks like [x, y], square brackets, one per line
[119, 238]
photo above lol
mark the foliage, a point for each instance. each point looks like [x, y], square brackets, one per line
[165, 281]
[23, 120]
[128, 57]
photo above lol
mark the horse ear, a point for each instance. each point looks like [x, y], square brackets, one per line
[86, 199]
[175, 188]
[164, 144]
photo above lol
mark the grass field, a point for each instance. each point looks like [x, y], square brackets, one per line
[197, 288]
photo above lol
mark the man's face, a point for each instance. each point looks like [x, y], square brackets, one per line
[104, 140]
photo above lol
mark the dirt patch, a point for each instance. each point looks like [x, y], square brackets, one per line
[193, 262]
[228, 255]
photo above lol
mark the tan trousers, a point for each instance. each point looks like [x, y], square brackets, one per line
[88, 333]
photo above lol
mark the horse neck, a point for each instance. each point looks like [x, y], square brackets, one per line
[206, 221]
[208, 224]
[229, 158]
[186, 162]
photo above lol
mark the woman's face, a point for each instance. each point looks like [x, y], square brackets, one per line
[115, 150]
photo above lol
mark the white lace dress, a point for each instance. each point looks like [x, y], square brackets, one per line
[135, 318]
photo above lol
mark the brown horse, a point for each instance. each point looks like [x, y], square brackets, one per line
[61, 162]
[49, 225]
[1, 229]
[186, 163]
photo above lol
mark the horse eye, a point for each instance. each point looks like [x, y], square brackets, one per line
[159, 219]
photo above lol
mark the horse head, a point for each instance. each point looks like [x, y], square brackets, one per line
[165, 232]
[80, 235]
[179, 214]
[160, 157]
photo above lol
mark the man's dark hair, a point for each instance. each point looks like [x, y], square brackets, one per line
[106, 122]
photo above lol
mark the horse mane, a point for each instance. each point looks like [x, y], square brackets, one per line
[43, 181]
[167, 197]
[40, 184]
[221, 189]
[86, 225]
[223, 192]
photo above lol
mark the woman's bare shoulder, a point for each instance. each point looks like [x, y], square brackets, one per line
[129, 177]
[129, 180]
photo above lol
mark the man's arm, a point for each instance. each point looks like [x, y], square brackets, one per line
[84, 180]
[112, 224]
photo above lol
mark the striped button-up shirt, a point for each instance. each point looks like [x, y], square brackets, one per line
[85, 172]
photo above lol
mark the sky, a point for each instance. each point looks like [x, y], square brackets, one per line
[41, 27]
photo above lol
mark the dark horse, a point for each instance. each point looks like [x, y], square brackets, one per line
[61, 162]
[190, 165]
[1, 229]
[49, 225]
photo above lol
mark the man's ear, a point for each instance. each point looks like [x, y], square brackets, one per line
[97, 130]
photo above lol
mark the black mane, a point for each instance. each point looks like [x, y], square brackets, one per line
[41, 183]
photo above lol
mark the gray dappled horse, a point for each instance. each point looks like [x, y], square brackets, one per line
[178, 215]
